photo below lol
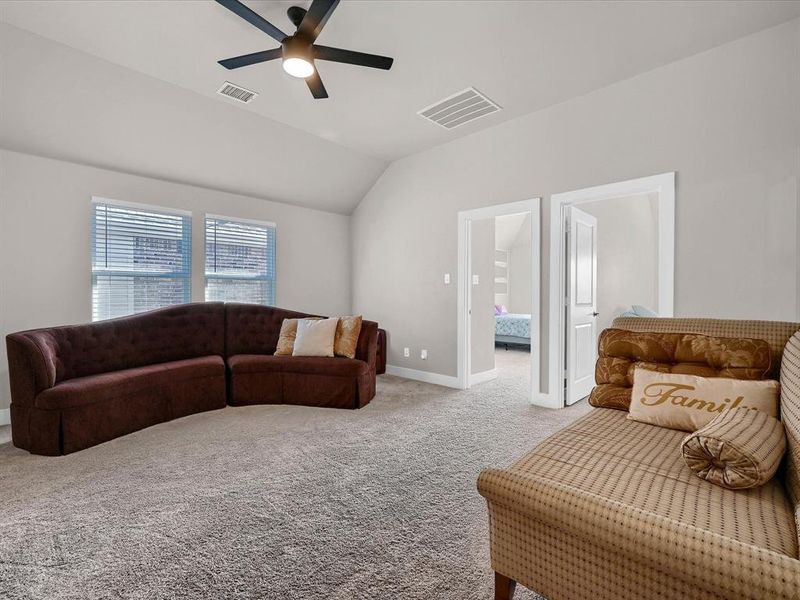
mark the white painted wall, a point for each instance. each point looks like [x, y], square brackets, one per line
[45, 266]
[65, 104]
[726, 120]
[627, 254]
[519, 301]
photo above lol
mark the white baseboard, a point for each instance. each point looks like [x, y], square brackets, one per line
[426, 376]
[482, 377]
[5, 416]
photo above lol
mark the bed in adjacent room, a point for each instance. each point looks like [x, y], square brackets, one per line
[512, 328]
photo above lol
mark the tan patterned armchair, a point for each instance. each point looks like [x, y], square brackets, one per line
[606, 508]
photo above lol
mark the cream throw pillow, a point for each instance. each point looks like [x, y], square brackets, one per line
[287, 335]
[689, 402]
[315, 337]
[741, 448]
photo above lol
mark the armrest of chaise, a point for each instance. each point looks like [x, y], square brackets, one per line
[712, 562]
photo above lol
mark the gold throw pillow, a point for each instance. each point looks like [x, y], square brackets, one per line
[741, 448]
[346, 340]
[689, 402]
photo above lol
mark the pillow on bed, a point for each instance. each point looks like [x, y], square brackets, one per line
[637, 310]
[500, 309]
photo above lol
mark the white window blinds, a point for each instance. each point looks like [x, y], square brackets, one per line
[141, 259]
[240, 261]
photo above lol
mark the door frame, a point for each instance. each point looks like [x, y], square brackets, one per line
[464, 281]
[664, 185]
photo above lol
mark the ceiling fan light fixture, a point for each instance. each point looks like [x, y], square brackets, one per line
[298, 67]
[298, 58]
[299, 52]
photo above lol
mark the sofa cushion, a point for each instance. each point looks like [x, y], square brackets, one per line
[621, 351]
[640, 466]
[775, 333]
[310, 365]
[107, 386]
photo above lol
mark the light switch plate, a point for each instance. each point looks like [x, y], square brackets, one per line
[475, 280]
[447, 278]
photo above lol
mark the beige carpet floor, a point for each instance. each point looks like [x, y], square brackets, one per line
[275, 502]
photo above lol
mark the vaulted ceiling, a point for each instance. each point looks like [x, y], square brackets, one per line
[523, 55]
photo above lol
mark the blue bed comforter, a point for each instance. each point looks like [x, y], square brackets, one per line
[513, 325]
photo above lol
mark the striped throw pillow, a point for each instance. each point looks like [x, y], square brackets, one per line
[741, 448]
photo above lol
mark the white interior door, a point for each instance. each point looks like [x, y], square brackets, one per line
[581, 305]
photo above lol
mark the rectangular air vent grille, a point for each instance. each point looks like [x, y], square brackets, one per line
[237, 92]
[460, 108]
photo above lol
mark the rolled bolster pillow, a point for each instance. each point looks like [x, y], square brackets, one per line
[741, 448]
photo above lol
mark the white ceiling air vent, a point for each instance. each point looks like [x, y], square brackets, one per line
[237, 92]
[460, 108]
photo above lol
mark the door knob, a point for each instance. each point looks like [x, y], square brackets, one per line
[594, 314]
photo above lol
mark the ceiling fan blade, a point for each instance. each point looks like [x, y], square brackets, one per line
[251, 59]
[254, 19]
[315, 85]
[352, 58]
[317, 15]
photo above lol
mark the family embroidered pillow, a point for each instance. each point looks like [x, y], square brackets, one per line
[689, 402]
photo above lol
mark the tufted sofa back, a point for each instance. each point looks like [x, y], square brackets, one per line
[621, 351]
[775, 333]
[162, 335]
[254, 329]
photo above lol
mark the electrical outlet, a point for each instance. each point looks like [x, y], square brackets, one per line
[475, 280]
[447, 278]
[424, 354]
[406, 352]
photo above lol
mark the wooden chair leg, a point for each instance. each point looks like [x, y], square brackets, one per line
[503, 587]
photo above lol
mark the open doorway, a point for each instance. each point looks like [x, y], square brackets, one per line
[511, 308]
[612, 248]
[498, 296]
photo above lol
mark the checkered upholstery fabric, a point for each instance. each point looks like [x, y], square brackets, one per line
[790, 416]
[641, 465]
[775, 333]
[606, 508]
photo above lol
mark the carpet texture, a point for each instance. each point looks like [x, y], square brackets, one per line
[275, 501]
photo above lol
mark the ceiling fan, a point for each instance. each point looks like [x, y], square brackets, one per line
[298, 51]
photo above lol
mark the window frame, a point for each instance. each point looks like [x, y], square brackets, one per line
[187, 275]
[243, 221]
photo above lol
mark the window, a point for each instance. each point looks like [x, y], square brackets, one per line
[240, 261]
[141, 259]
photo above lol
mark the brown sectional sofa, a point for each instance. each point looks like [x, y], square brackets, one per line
[77, 386]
